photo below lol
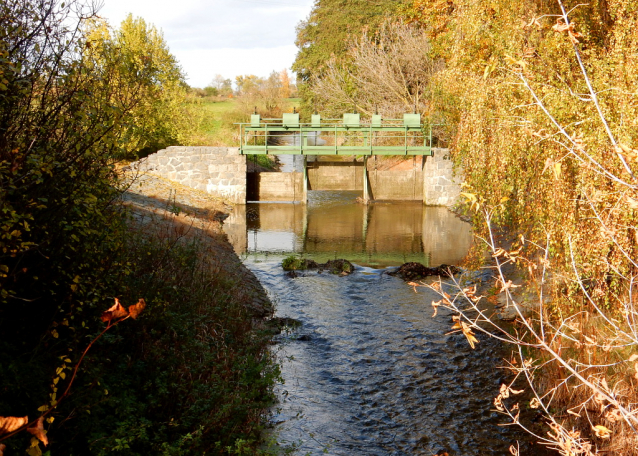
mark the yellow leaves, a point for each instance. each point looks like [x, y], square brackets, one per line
[12, 423]
[534, 403]
[460, 325]
[627, 152]
[556, 167]
[514, 62]
[489, 68]
[472, 199]
[562, 27]
[54, 333]
[601, 431]
[533, 22]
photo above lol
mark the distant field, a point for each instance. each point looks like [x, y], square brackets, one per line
[215, 126]
[218, 119]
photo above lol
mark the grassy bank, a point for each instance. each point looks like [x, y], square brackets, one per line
[191, 373]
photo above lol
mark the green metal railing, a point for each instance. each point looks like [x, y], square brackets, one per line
[345, 136]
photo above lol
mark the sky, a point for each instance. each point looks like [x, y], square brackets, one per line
[227, 37]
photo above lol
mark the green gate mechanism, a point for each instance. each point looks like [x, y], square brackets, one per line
[346, 136]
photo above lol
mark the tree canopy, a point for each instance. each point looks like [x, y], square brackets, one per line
[327, 31]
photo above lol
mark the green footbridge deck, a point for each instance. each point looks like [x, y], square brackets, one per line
[346, 136]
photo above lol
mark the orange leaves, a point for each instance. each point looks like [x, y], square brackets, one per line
[136, 309]
[562, 27]
[114, 313]
[414, 285]
[38, 431]
[436, 305]
[11, 423]
[117, 312]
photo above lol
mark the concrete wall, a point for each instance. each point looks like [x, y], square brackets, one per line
[274, 186]
[440, 186]
[325, 175]
[389, 185]
[220, 171]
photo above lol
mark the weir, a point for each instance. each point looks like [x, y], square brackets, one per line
[430, 179]
[322, 148]
[348, 136]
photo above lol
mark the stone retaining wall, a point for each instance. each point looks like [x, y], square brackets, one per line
[440, 186]
[220, 171]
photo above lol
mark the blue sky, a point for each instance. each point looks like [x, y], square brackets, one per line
[227, 37]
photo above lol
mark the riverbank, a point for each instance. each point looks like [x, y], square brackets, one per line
[161, 204]
[222, 373]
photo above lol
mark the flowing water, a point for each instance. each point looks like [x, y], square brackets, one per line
[370, 371]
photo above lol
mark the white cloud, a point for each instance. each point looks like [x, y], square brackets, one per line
[232, 62]
[227, 37]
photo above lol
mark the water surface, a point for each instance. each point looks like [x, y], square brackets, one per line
[370, 371]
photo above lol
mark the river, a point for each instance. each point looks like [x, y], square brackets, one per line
[370, 371]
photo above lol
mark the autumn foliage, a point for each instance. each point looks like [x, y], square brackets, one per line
[189, 375]
[540, 105]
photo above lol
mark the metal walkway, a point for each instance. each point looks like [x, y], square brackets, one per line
[345, 136]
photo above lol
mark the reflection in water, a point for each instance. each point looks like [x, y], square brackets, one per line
[370, 372]
[331, 225]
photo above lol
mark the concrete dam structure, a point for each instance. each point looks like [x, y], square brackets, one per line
[222, 171]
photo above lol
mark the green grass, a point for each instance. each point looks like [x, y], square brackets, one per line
[217, 120]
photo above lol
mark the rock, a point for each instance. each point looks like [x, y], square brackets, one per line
[415, 271]
[277, 324]
[293, 264]
[341, 267]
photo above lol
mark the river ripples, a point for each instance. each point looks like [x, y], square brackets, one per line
[370, 371]
[375, 374]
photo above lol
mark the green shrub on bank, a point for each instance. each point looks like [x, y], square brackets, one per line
[192, 374]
